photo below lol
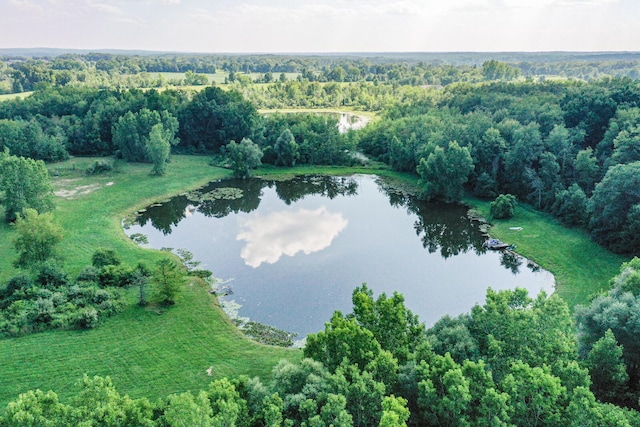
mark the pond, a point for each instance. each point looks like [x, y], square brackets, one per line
[292, 251]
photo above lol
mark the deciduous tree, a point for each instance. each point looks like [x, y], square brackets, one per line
[445, 171]
[168, 278]
[25, 183]
[37, 238]
[243, 157]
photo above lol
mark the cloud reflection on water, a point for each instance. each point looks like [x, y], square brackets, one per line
[269, 237]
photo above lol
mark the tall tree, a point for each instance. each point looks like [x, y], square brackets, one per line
[37, 238]
[168, 278]
[214, 117]
[243, 157]
[286, 149]
[444, 172]
[158, 148]
[606, 366]
[132, 132]
[587, 170]
[25, 183]
[615, 209]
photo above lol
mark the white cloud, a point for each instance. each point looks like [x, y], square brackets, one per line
[26, 5]
[287, 233]
[106, 8]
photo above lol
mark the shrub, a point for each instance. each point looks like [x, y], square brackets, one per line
[87, 318]
[503, 206]
[115, 275]
[103, 257]
[21, 281]
[88, 274]
[51, 275]
[98, 167]
[203, 274]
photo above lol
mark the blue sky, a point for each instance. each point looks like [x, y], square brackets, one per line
[322, 25]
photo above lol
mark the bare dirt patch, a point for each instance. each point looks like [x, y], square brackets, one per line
[72, 193]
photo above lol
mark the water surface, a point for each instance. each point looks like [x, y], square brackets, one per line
[293, 251]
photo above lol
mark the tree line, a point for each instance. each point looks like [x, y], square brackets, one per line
[104, 70]
[566, 148]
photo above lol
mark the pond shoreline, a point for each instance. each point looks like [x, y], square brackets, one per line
[444, 231]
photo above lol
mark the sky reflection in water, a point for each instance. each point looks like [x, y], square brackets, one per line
[287, 233]
[293, 251]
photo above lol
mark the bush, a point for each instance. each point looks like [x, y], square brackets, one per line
[203, 274]
[51, 275]
[503, 206]
[115, 276]
[103, 257]
[19, 282]
[88, 274]
[98, 167]
[87, 318]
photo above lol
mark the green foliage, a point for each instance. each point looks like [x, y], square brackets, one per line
[103, 257]
[116, 275]
[98, 167]
[607, 368]
[25, 183]
[286, 149]
[37, 237]
[587, 170]
[504, 206]
[28, 139]
[445, 171]
[394, 412]
[571, 206]
[158, 147]
[536, 395]
[615, 209]
[443, 392]
[52, 301]
[243, 157]
[608, 326]
[394, 326]
[342, 340]
[215, 117]
[495, 70]
[186, 410]
[133, 132]
[167, 278]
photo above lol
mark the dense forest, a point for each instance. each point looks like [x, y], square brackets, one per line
[567, 147]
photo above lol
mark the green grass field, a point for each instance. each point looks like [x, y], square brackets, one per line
[146, 353]
[580, 266]
[153, 353]
[9, 96]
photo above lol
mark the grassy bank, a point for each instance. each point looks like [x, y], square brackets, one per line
[153, 353]
[580, 266]
[146, 352]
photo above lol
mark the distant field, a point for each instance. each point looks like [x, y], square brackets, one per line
[14, 95]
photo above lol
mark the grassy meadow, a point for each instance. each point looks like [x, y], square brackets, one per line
[154, 351]
[147, 352]
[10, 96]
[580, 266]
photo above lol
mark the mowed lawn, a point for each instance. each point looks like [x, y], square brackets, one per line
[154, 352]
[148, 352]
[581, 267]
